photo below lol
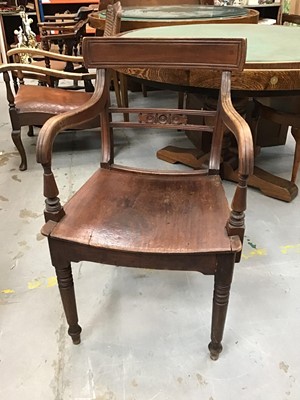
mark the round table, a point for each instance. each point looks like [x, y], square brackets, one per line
[272, 68]
[272, 62]
[154, 16]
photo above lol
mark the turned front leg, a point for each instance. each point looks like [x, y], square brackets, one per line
[223, 278]
[67, 293]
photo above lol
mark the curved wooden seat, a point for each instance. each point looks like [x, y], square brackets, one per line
[148, 214]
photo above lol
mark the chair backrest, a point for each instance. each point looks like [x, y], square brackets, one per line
[116, 52]
[113, 19]
[223, 55]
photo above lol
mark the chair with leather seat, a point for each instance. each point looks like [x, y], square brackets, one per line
[66, 29]
[127, 216]
[33, 105]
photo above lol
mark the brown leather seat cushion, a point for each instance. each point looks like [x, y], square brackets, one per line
[48, 100]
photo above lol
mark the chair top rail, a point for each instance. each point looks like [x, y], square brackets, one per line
[178, 53]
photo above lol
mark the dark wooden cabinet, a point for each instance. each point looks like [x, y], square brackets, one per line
[266, 10]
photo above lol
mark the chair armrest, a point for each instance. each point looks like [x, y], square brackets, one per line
[44, 53]
[45, 71]
[239, 127]
[90, 110]
[63, 26]
[59, 17]
[49, 24]
[58, 123]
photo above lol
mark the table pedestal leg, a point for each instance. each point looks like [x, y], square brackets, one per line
[268, 184]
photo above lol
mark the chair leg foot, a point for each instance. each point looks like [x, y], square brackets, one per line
[223, 278]
[215, 349]
[16, 138]
[30, 132]
[67, 294]
[74, 332]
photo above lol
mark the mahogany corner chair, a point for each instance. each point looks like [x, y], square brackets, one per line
[33, 105]
[151, 219]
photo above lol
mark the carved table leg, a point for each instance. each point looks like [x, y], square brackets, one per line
[67, 293]
[223, 278]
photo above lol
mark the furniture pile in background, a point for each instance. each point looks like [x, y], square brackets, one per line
[32, 105]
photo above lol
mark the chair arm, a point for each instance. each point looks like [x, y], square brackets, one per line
[47, 24]
[57, 21]
[58, 16]
[44, 53]
[239, 127]
[91, 109]
[45, 71]
[58, 123]
[63, 26]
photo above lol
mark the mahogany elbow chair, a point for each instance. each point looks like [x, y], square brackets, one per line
[151, 219]
[33, 105]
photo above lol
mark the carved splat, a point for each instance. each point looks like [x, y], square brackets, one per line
[164, 119]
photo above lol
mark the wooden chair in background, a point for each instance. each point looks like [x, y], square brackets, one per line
[123, 79]
[67, 30]
[151, 219]
[33, 105]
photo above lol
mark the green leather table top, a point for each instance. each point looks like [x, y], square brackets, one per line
[276, 45]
